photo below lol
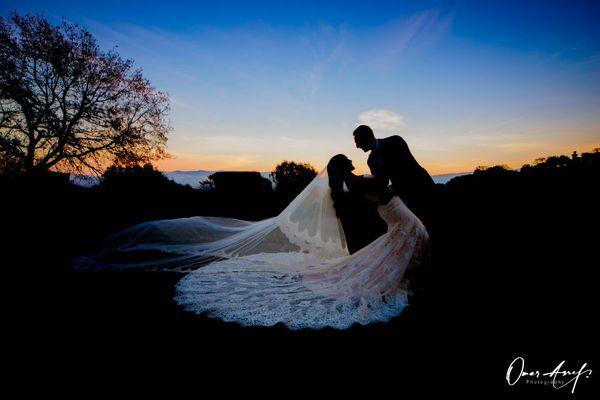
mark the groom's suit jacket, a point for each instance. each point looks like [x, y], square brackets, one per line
[392, 160]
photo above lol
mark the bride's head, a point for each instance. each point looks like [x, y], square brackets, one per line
[339, 169]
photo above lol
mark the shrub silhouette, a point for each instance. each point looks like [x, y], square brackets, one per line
[133, 178]
[291, 177]
[496, 170]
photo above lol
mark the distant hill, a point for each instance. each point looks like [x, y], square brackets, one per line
[193, 178]
[444, 178]
[84, 180]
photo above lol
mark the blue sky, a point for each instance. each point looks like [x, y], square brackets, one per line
[466, 83]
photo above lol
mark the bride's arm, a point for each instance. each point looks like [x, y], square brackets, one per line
[367, 185]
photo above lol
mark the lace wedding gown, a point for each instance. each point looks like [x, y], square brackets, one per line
[292, 269]
[304, 291]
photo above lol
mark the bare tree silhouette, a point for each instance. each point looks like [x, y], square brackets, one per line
[66, 105]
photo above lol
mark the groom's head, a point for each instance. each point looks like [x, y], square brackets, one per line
[364, 138]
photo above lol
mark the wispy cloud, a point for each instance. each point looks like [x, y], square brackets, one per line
[165, 48]
[326, 47]
[382, 120]
[417, 32]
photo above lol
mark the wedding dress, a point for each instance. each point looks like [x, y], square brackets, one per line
[292, 269]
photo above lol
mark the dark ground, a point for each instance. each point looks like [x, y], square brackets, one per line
[513, 274]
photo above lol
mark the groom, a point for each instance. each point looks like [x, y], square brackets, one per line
[391, 161]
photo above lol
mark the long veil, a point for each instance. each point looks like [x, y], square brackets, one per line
[307, 225]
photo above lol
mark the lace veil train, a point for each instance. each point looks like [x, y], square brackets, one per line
[307, 225]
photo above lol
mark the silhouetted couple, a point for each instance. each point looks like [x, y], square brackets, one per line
[297, 268]
[394, 172]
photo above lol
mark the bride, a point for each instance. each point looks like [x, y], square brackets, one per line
[292, 269]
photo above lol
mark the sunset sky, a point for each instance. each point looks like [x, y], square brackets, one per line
[466, 83]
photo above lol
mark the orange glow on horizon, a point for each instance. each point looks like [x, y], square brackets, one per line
[434, 167]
